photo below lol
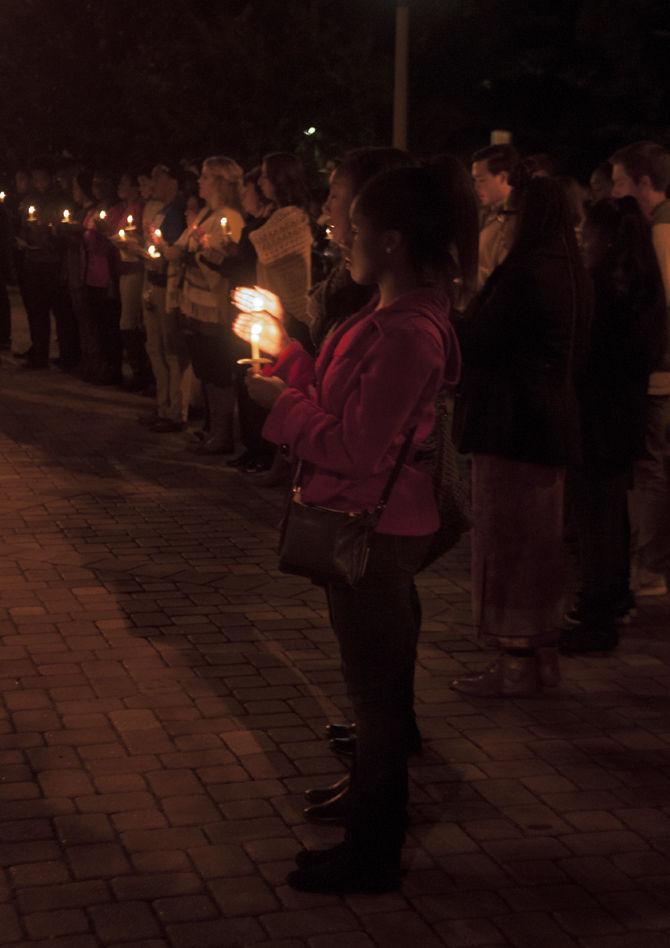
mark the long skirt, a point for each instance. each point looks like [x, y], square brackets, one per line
[517, 551]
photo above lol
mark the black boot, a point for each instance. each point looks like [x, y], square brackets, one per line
[138, 360]
[333, 810]
[347, 871]
[321, 794]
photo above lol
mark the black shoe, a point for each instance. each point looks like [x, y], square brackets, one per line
[319, 795]
[343, 745]
[584, 639]
[308, 858]
[336, 731]
[622, 613]
[333, 810]
[256, 465]
[347, 873]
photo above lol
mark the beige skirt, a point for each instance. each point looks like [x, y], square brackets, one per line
[518, 574]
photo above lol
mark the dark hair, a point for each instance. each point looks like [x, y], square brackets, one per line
[361, 164]
[645, 158]
[418, 203]
[626, 233]
[456, 184]
[604, 171]
[287, 177]
[84, 180]
[574, 195]
[498, 158]
[251, 177]
[132, 177]
[544, 219]
[542, 165]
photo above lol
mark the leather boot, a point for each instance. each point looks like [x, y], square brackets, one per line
[322, 794]
[333, 810]
[548, 669]
[509, 676]
[334, 731]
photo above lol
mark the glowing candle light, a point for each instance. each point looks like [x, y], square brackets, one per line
[256, 331]
[102, 216]
[158, 234]
[122, 234]
[130, 223]
[32, 213]
[66, 216]
[153, 253]
[2, 197]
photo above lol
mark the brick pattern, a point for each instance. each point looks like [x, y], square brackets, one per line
[163, 695]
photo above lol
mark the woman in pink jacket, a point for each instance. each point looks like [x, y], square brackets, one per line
[346, 416]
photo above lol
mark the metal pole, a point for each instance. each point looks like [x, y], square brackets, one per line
[401, 67]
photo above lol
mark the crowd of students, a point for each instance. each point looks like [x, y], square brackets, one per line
[541, 308]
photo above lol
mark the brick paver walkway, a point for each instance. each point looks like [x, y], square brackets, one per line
[163, 695]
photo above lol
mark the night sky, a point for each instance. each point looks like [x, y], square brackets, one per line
[123, 83]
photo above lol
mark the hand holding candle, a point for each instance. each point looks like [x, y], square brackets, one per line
[257, 300]
[262, 332]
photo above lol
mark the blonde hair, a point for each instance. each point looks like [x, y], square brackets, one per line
[228, 175]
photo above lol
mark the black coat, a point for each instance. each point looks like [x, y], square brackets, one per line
[523, 344]
[628, 332]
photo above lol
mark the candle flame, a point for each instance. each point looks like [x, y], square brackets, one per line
[31, 209]
[224, 222]
[129, 220]
[2, 195]
[102, 215]
[256, 331]
[66, 215]
[151, 250]
[122, 233]
[158, 233]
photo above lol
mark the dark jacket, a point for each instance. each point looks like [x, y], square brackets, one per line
[523, 343]
[627, 333]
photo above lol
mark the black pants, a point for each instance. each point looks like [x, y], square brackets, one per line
[67, 329]
[377, 626]
[103, 314]
[252, 417]
[5, 316]
[600, 500]
[41, 287]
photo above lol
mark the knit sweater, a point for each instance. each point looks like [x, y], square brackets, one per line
[283, 245]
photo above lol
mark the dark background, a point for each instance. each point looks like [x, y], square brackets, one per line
[126, 82]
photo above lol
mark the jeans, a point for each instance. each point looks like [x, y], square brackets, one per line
[377, 626]
[601, 515]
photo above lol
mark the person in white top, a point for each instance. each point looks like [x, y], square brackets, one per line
[202, 295]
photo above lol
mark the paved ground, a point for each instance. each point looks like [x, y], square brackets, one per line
[163, 691]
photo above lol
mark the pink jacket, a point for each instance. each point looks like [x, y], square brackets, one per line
[348, 414]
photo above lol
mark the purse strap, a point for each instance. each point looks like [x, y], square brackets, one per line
[386, 493]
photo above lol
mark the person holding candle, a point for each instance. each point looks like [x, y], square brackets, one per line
[42, 270]
[74, 267]
[346, 416]
[165, 345]
[202, 295]
[126, 216]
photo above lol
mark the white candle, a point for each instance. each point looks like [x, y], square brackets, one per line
[66, 216]
[102, 215]
[31, 212]
[256, 331]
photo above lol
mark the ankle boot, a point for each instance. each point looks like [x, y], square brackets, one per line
[322, 794]
[548, 669]
[333, 810]
[509, 676]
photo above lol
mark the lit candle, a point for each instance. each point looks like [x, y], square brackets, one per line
[66, 216]
[31, 213]
[153, 253]
[102, 215]
[158, 234]
[130, 223]
[256, 331]
[122, 234]
[225, 227]
[2, 197]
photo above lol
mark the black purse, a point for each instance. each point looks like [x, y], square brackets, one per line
[331, 546]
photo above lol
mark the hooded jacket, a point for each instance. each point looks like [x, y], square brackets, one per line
[349, 413]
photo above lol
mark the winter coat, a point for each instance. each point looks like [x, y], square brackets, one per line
[348, 413]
